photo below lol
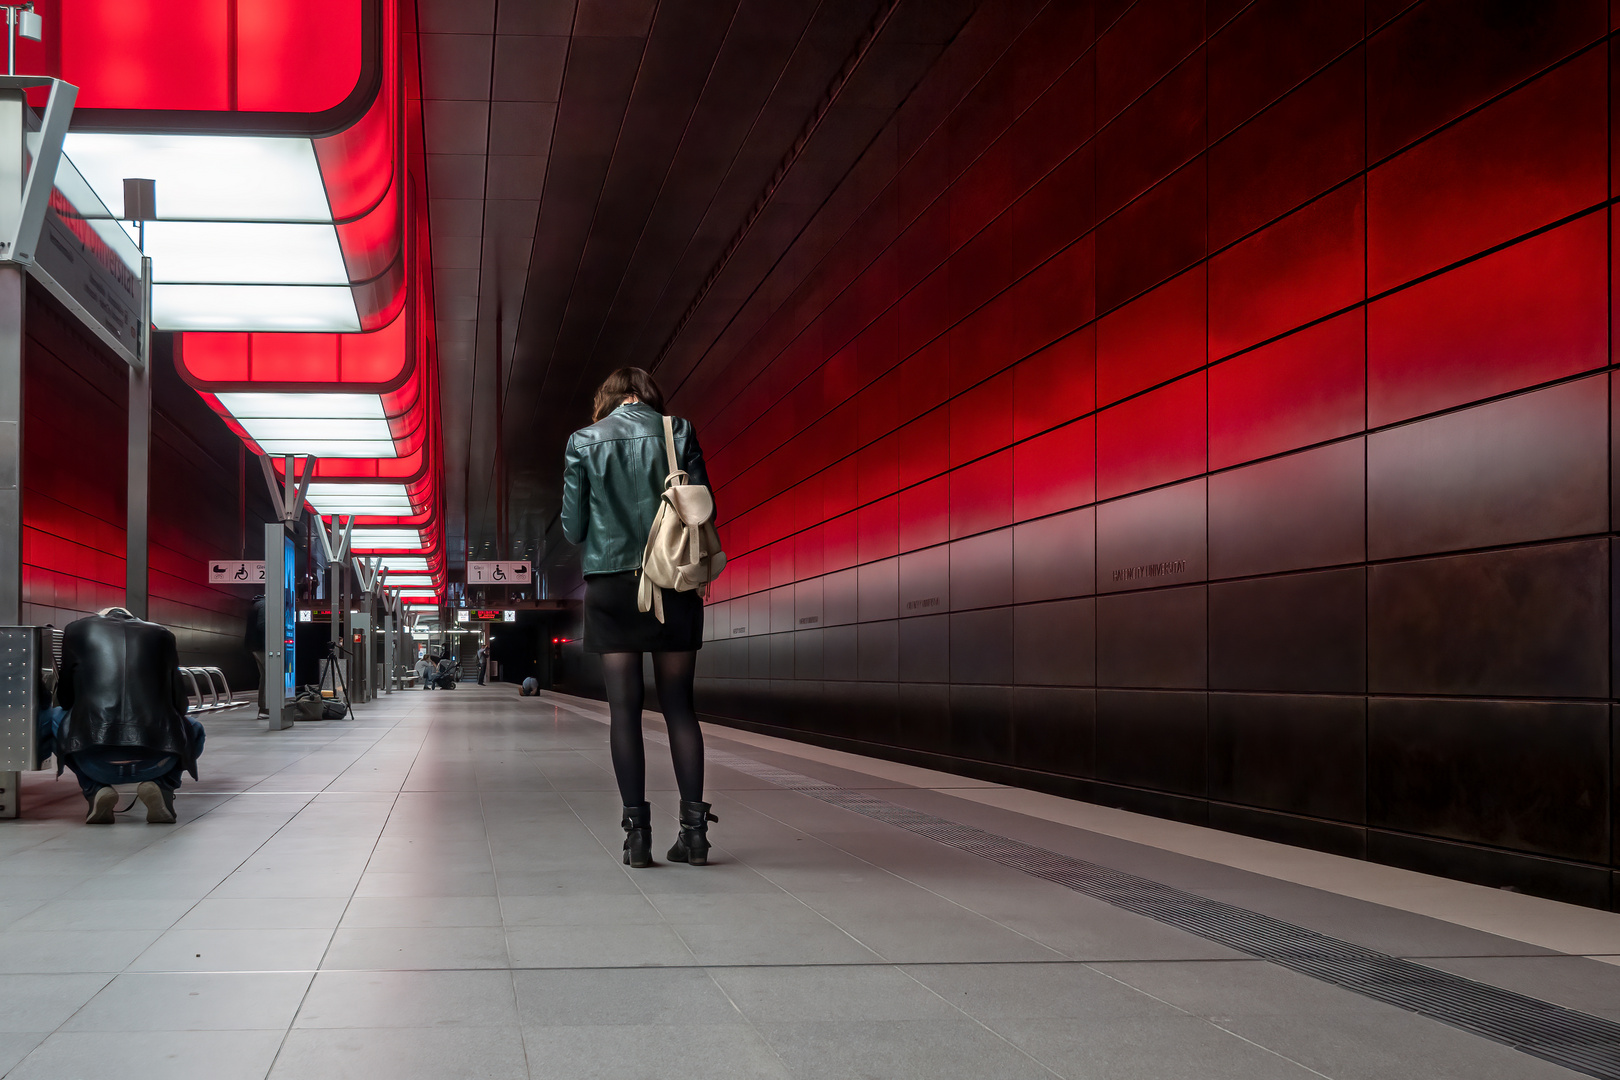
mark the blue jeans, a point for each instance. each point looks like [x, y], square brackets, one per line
[104, 766]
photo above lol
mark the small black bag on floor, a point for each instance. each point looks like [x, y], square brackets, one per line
[308, 705]
[334, 710]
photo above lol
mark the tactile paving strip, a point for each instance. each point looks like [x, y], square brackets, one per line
[1565, 1037]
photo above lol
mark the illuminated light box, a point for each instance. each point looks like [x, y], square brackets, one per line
[366, 540]
[259, 307]
[370, 500]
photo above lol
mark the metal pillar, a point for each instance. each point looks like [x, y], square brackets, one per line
[275, 625]
[288, 498]
[13, 292]
[139, 467]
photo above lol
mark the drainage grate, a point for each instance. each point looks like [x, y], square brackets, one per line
[1574, 1040]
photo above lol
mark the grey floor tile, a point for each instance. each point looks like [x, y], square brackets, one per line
[1163, 1048]
[779, 995]
[652, 1052]
[115, 913]
[951, 1049]
[152, 1055]
[806, 938]
[286, 913]
[1065, 991]
[235, 950]
[402, 1054]
[46, 951]
[16, 1045]
[194, 1002]
[43, 1002]
[371, 911]
[1371, 1045]
[428, 883]
[610, 910]
[394, 948]
[596, 946]
[618, 997]
[409, 999]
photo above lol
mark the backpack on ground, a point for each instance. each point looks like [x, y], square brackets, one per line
[683, 549]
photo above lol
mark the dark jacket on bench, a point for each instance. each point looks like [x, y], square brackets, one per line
[120, 685]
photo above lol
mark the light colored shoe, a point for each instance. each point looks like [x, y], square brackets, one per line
[158, 802]
[102, 804]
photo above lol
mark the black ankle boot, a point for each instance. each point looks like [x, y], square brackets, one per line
[637, 825]
[692, 846]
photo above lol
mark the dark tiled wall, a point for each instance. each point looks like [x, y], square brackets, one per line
[74, 448]
[1207, 410]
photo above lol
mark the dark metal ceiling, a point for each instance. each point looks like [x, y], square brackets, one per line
[610, 180]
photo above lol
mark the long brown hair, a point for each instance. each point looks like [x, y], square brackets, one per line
[626, 382]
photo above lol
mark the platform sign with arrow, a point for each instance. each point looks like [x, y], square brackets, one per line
[499, 573]
[236, 572]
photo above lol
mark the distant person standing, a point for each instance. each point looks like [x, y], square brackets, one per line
[253, 641]
[483, 662]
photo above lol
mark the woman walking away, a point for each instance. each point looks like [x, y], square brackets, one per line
[613, 480]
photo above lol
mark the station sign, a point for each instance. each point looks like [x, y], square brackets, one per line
[492, 616]
[236, 572]
[499, 573]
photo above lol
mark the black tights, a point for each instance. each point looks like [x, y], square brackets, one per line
[672, 671]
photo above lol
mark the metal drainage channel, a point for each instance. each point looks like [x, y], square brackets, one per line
[1574, 1040]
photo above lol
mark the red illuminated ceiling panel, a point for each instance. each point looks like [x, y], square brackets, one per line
[274, 137]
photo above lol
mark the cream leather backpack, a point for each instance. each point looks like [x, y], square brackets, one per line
[683, 549]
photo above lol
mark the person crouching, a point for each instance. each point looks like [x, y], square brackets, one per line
[124, 718]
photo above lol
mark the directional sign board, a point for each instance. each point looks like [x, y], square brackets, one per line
[236, 572]
[499, 573]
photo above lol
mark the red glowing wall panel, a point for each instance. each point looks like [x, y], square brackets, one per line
[1153, 339]
[1527, 314]
[1307, 265]
[1304, 144]
[1307, 388]
[1152, 439]
[1537, 155]
[1269, 49]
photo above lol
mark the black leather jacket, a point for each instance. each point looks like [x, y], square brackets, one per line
[120, 684]
[613, 477]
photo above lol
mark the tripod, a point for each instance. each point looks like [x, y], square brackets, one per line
[333, 671]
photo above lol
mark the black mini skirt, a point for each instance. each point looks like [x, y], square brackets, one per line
[613, 623]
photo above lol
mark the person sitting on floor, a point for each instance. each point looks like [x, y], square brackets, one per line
[530, 688]
[123, 718]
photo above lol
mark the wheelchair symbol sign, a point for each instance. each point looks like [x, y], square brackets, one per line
[236, 572]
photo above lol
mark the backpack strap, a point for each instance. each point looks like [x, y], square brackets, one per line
[669, 445]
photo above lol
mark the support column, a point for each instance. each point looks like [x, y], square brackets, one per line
[275, 625]
[13, 292]
[136, 575]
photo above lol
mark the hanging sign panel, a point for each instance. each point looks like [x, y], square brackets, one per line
[236, 572]
[499, 573]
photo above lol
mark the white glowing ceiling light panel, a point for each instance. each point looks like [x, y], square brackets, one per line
[245, 252]
[310, 406]
[287, 427]
[274, 308]
[328, 448]
[387, 540]
[369, 500]
[218, 177]
[405, 564]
